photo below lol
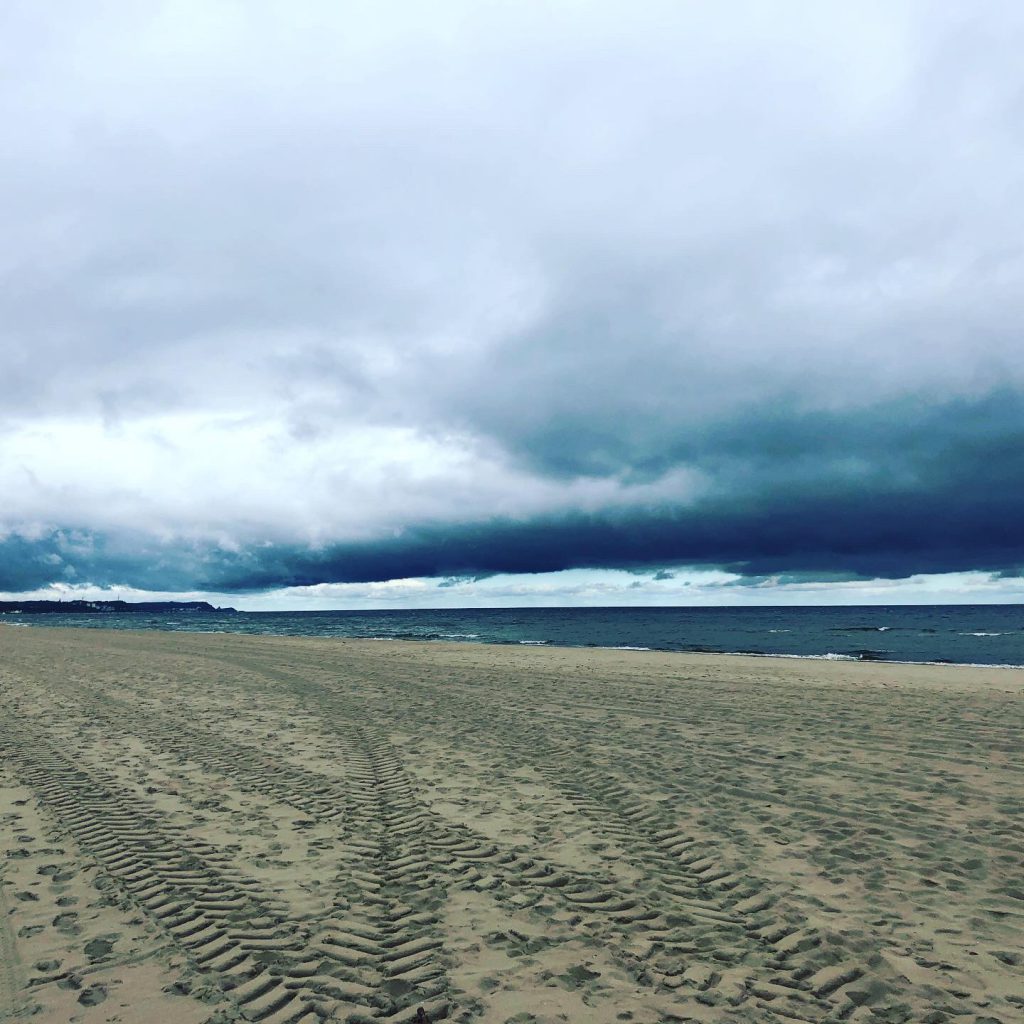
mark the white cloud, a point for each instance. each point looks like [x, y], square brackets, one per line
[218, 478]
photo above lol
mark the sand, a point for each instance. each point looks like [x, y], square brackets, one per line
[215, 828]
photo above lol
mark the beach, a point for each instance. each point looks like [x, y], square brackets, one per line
[210, 828]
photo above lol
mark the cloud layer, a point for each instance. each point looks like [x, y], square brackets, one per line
[516, 288]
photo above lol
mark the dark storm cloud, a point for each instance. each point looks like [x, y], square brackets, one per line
[83, 557]
[451, 293]
[904, 489]
[889, 534]
[946, 497]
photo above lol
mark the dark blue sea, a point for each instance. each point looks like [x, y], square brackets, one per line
[965, 634]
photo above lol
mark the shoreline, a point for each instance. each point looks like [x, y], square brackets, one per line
[628, 664]
[827, 658]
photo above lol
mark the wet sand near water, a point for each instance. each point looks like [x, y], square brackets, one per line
[214, 828]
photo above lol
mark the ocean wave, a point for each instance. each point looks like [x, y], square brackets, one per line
[982, 634]
[532, 643]
[849, 657]
[397, 635]
[625, 647]
[830, 656]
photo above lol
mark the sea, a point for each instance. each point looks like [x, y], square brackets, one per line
[947, 634]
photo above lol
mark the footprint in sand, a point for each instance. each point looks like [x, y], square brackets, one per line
[577, 977]
[57, 873]
[67, 923]
[99, 948]
[93, 995]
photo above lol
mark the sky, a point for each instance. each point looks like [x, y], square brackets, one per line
[399, 304]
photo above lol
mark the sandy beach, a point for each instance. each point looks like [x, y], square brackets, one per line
[211, 828]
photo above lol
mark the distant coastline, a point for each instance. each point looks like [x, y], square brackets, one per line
[79, 607]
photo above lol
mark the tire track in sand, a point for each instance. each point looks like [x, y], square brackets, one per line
[736, 941]
[714, 932]
[214, 915]
[390, 890]
[397, 851]
[378, 955]
[791, 968]
[385, 933]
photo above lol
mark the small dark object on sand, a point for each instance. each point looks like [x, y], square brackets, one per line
[421, 1016]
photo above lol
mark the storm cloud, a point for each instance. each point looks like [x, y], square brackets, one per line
[389, 292]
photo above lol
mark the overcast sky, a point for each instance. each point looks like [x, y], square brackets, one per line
[318, 304]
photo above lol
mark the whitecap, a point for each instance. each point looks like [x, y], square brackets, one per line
[796, 657]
